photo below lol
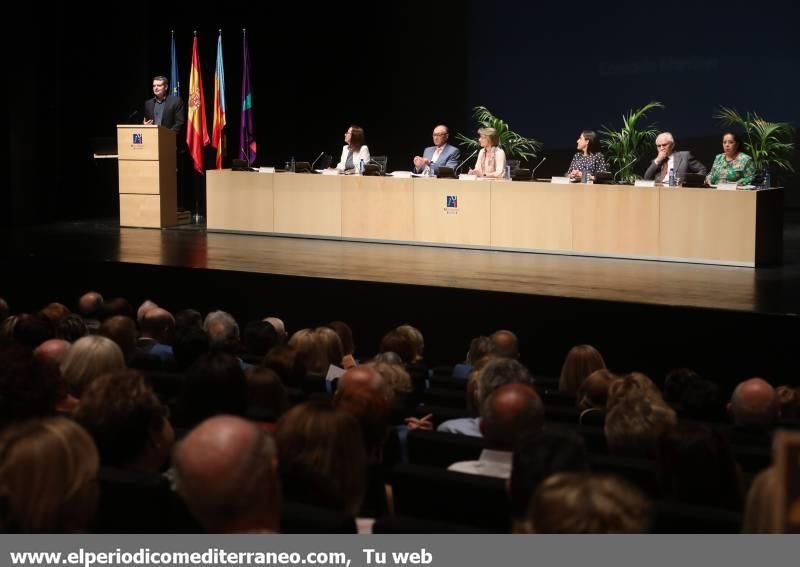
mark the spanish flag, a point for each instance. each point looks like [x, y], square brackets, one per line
[218, 129]
[196, 132]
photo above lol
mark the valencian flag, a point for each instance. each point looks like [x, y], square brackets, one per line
[247, 133]
[218, 128]
[174, 81]
[196, 131]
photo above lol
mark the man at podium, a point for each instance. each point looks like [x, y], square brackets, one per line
[163, 110]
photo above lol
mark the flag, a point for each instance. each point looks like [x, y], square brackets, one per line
[247, 133]
[174, 81]
[217, 130]
[196, 132]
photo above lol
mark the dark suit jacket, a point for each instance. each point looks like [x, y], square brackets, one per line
[684, 161]
[174, 112]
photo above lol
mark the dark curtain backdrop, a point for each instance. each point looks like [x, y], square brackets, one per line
[397, 69]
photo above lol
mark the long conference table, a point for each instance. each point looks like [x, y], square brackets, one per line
[737, 228]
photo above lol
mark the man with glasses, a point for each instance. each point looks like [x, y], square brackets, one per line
[440, 154]
[668, 158]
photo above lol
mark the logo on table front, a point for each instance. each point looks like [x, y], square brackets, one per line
[137, 138]
[451, 207]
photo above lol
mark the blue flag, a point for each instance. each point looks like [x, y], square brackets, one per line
[174, 81]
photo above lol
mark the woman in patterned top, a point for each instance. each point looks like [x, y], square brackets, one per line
[491, 159]
[588, 158]
[732, 165]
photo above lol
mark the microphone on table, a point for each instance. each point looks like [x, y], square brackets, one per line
[465, 161]
[537, 167]
[313, 163]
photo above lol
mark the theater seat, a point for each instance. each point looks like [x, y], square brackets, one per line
[436, 449]
[446, 496]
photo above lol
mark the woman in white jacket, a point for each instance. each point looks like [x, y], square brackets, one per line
[354, 149]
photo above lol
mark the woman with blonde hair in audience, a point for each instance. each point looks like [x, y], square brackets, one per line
[332, 345]
[636, 416]
[48, 473]
[417, 341]
[88, 358]
[581, 503]
[311, 352]
[581, 361]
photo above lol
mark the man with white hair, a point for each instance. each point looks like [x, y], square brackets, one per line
[223, 334]
[280, 328]
[668, 159]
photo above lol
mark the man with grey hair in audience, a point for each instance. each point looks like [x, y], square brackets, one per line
[497, 373]
[226, 470]
[223, 334]
[280, 328]
[146, 306]
[509, 413]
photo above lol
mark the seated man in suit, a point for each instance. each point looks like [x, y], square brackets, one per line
[440, 154]
[668, 158]
[163, 110]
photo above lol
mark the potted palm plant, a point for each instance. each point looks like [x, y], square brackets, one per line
[514, 145]
[770, 144]
[624, 147]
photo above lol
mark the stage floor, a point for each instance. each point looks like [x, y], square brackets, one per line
[773, 290]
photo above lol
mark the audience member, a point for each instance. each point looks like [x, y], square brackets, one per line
[226, 472]
[48, 474]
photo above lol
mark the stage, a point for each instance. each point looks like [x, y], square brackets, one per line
[643, 314]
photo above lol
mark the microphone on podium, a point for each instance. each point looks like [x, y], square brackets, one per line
[465, 161]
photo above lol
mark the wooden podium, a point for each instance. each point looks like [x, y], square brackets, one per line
[147, 177]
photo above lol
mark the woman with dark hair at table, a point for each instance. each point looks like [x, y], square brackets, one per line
[588, 157]
[732, 165]
[355, 149]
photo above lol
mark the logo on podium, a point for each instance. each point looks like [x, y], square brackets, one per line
[137, 138]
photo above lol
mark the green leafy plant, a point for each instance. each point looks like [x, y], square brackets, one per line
[768, 143]
[624, 147]
[514, 145]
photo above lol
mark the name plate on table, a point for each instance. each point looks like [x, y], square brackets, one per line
[266, 170]
[644, 183]
[402, 174]
[467, 177]
[560, 180]
[727, 186]
[330, 172]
